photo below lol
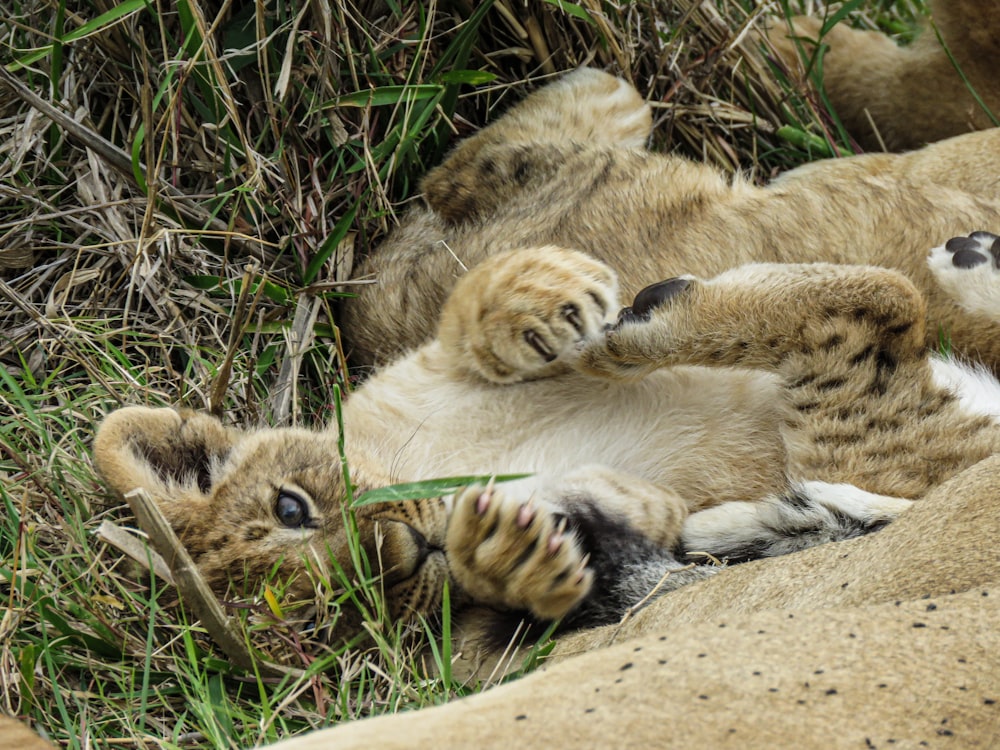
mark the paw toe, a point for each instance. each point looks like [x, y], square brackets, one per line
[956, 244]
[656, 295]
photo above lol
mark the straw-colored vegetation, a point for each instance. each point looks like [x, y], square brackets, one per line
[183, 187]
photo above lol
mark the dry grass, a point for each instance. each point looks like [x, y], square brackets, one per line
[183, 188]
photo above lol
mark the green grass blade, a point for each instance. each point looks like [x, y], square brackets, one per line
[429, 488]
[100, 23]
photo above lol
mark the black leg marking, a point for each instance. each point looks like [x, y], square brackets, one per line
[627, 566]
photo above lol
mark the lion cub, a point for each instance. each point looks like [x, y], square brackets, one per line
[720, 416]
[746, 413]
[568, 167]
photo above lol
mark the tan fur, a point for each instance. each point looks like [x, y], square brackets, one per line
[17, 736]
[901, 97]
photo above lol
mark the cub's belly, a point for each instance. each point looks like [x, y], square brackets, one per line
[711, 435]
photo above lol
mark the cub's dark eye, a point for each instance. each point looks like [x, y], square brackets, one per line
[292, 511]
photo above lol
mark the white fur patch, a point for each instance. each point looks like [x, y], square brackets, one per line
[854, 502]
[726, 526]
[773, 521]
[977, 388]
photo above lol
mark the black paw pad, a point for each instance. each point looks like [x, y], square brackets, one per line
[655, 295]
[966, 258]
[974, 250]
[958, 244]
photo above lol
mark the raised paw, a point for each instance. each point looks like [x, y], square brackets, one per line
[968, 268]
[523, 315]
[591, 106]
[532, 143]
[974, 250]
[517, 554]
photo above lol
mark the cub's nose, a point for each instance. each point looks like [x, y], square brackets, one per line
[420, 543]
[403, 551]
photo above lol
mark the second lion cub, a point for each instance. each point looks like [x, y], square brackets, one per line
[566, 167]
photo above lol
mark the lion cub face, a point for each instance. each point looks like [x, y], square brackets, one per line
[270, 506]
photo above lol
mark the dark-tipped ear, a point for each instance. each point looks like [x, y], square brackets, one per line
[170, 454]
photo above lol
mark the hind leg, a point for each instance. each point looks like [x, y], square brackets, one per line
[766, 316]
[523, 148]
[811, 513]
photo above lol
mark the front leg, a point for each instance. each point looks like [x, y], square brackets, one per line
[762, 316]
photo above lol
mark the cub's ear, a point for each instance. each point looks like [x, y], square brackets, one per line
[174, 455]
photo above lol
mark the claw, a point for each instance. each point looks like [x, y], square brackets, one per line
[539, 344]
[572, 314]
[526, 514]
[581, 572]
[557, 538]
[483, 502]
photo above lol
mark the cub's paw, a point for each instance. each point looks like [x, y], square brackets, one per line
[520, 555]
[968, 268]
[591, 106]
[523, 315]
[636, 344]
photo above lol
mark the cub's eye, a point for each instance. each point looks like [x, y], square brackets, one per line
[292, 511]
